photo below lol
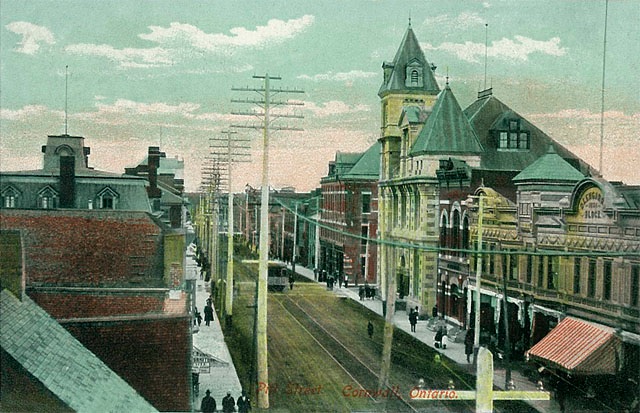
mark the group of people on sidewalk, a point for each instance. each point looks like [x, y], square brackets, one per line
[229, 404]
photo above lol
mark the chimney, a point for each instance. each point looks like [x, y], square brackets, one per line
[67, 181]
[154, 165]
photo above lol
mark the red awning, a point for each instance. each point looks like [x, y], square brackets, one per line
[579, 347]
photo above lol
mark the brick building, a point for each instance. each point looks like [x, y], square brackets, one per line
[349, 215]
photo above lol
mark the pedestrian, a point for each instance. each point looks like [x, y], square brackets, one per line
[208, 314]
[346, 281]
[413, 319]
[315, 274]
[361, 293]
[244, 403]
[228, 403]
[198, 317]
[434, 311]
[370, 329]
[208, 403]
[291, 281]
[437, 341]
[469, 341]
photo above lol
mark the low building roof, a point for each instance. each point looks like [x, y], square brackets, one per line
[61, 363]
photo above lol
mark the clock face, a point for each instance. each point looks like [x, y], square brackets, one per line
[591, 205]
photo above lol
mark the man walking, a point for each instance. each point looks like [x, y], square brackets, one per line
[244, 403]
[208, 404]
[228, 403]
[413, 319]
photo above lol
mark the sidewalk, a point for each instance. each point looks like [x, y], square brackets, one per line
[454, 351]
[210, 340]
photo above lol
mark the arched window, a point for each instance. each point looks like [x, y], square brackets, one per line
[414, 78]
[443, 229]
[455, 231]
[465, 234]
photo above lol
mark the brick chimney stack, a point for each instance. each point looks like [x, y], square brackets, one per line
[67, 182]
[154, 165]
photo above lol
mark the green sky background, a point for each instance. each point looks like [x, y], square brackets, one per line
[160, 73]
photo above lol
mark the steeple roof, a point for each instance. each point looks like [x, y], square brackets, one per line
[550, 167]
[409, 52]
[447, 130]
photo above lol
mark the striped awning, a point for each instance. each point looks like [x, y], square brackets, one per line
[579, 347]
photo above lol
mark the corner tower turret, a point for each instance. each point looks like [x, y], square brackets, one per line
[408, 81]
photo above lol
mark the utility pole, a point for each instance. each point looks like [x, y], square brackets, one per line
[233, 153]
[295, 239]
[476, 336]
[212, 180]
[266, 93]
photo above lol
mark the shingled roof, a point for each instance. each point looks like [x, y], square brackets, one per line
[486, 113]
[408, 52]
[447, 130]
[61, 363]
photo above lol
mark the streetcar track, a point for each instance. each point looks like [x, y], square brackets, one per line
[321, 346]
[396, 351]
[397, 396]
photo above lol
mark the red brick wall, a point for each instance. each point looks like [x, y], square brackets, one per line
[152, 355]
[65, 305]
[88, 248]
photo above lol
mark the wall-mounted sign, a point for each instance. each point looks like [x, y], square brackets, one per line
[591, 204]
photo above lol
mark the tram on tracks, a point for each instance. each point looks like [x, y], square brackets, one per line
[277, 276]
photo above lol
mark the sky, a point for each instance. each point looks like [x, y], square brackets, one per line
[161, 73]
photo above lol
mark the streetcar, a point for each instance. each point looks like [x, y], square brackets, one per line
[278, 276]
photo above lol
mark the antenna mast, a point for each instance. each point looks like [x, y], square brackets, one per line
[604, 61]
[66, 99]
[486, 41]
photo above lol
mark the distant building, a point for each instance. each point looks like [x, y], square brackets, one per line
[67, 181]
[349, 216]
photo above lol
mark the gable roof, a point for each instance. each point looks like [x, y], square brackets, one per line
[550, 167]
[486, 113]
[368, 166]
[446, 130]
[61, 363]
[408, 52]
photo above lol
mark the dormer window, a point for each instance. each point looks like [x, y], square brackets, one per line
[10, 197]
[48, 198]
[514, 137]
[107, 199]
[414, 73]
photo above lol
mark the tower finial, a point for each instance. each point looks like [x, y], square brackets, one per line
[447, 82]
[409, 18]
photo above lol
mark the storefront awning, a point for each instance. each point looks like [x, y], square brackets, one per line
[579, 347]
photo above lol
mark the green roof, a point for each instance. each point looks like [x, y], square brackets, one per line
[408, 52]
[61, 363]
[447, 130]
[368, 166]
[550, 167]
[485, 116]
